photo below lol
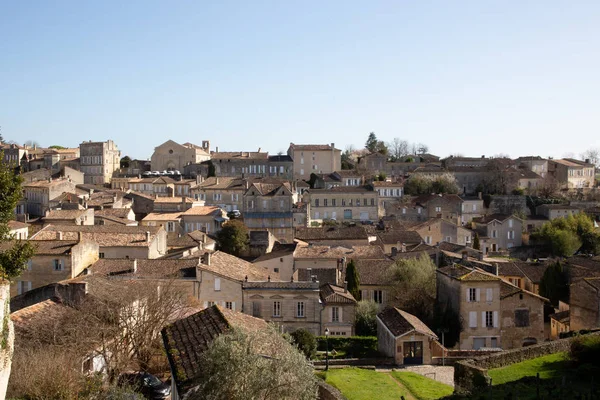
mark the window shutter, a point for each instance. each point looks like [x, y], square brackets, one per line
[472, 319]
[205, 304]
[477, 294]
[468, 298]
[495, 319]
[217, 283]
[340, 314]
[233, 305]
[331, 314]
[489, 294]
[483, 319]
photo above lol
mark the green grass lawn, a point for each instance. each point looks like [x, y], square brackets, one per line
[364, 384]
[550, 366]
[422, 387]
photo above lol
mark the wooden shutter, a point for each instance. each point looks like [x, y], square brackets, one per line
[472, 319]
[477, 294]
[495, 319]
[483, 324]
[489, 294]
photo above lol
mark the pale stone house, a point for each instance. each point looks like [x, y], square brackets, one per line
[398, 240]
[314, 158]
[171, 222]
[498, 232]
[552, 211]
[584, 303]
[436, 230]
[374, 280]
[69, 217]
[98, 161]
[18, 230]
[338, 312]
[224, 192]
[406, 338]
[496, 314]
[279, 262]
[290, 305]
[175, 204]
[535, 164]
[55, 260]
[37, 195]
[171, 156]
[334, 235]
[208, 219]
[389, 193]
[342, 203]
[241, 164]
[471, 207]
[572, 174]
[268, 207]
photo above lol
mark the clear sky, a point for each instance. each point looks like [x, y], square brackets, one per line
[470, 77]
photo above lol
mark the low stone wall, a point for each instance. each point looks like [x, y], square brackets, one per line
[357, 361]
[328, 392]
[470, 375]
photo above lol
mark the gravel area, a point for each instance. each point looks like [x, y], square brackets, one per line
[439, 373]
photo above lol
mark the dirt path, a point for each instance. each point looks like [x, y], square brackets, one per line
[409, 395]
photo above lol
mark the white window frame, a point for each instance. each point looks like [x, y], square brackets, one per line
[217, 284]
[300, 310]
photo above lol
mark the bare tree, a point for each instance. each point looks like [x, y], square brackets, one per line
[549, 187]
[398, 149]
[592, 154]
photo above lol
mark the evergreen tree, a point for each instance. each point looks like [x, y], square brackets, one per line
[212, 171]
[554, 284]
[353, 280]
[476, 244]
[372, 143]
[15, 253]
[233, 237]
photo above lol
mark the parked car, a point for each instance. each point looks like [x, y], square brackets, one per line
[234, 214]
[155, 173]
[147, 173]
[147, 384]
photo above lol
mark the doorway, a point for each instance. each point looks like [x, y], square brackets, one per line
[413, 352]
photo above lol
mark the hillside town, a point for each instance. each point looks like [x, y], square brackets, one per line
[139, 265]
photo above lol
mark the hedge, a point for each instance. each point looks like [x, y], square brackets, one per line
[569, 334]
[353, 346]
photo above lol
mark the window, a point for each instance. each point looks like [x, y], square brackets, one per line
[418, 210]
[404, 211]
[210, 303]
[494, 233]
[217, 284]
[372, 202]
[488, 319]
[23, 286]
[438, 209]
[316, 202]
[347, 214]
[365, 202]
[510, 223]
[511, 234]
[256, 309]
[494, 342]
[489, 294]
[229, 305]
[473, 319]
[324, 202]
[378, 296]
[357, 204]
[472, 295]
[515, 281]
[277, 309]
[317, 215]
[300, 310]
[333, 202]
[428, 239]
[521, 318]
[276, 270]
[335, 314]
[29, 265]
[58, 265]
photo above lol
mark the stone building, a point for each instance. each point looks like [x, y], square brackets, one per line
[241, 164]
[224, 192]
[342, 203]
[69, 217]
[498, 232]
[314, 158]
[339, 310]
[55, 260]
[172, 156]
[388, 194]
[552, 211]
[436, 230]
[572, 174]
[37, 195]
[496, 314]
[98, 161]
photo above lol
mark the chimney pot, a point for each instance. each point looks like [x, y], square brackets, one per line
[345, 286]
[147, 236]
[135, 265]
[59, 235]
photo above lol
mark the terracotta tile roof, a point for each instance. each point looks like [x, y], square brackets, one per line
[344, 189]
[348, 173]
[334, 294]
[46, 247]
[191, 239]
[400, 322]
[463, 273]
[223, 183]
[571, 163]
[277, 285]
[186, 339]
[203, 210]
[374, 272]
[509, 269]
[508, 289]
[310, 147]
[533, 271]
[332, 233]
[279, 250]
[117, 220]
[270, 187]
[12, 225]
[45, 183]
[104, 235]
[486, 219]
[64, 214]
[399, 236]
[336, 252]
[239, 155]
[42, 315]
[564, 317]
[322, 275]
[148, 268]
[235, 268]
[113, 212]
[171, 200]
[167, 216]
[66, 197]
[280, 158]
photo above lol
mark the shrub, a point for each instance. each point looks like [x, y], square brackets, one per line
[353, 346]
[306, 342]
[586, 350]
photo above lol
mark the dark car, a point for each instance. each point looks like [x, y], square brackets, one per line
[147, 384]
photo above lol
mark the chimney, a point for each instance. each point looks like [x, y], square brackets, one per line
[345, 286]
[483, 156]
[403, 248]
[79, 236]
[207, 259]
[217, 149]
[308, 273]
[147, 236]
[259, 149]
[59, 235]
[587, 160]
[134, 265]
[217, 180]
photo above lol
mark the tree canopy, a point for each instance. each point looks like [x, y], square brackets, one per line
[233, 237]
[245, 365]
[353, 280]
[57, 147]
[554, 285]
[365, 323]
[426, 184]
[15, 253]
[565, 236]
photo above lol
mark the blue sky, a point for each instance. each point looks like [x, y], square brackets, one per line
[469, 77]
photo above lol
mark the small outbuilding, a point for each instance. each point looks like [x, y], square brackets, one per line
[406, 338]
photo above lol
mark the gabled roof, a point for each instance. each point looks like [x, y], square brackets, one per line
[344, 189]
[564, 317]
[147, 268]
[399, 236]
[203, 210]
[186, 339]
[444, 198]
[235, 268]
[374, 272]
[239, 155]
[12, 225]
[166, 216]
[113, 212]
[278, 251]
[104, 235]
[462, 273]
[222, 182]
[338, 252]
[508, 289]
[271, 188]
[486, 219]
[173, 200]
[64, 214]
[311, 147]
[399, 323]
[335, 294]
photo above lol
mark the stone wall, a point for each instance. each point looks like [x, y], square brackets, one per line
[472, 374]
[328, 392]
[357, 361]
